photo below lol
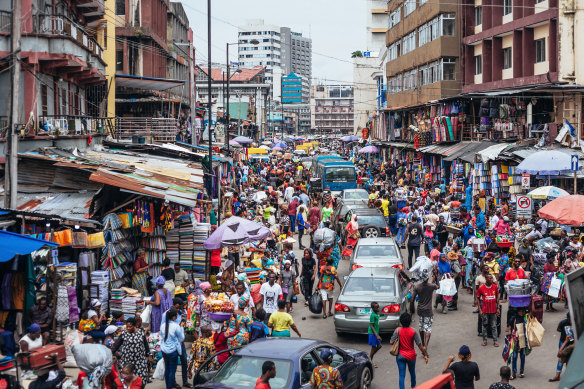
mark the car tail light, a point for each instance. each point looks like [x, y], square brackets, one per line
[394, 308]
[341, 308]
[386, 231]
[355, 267]
[398, 266]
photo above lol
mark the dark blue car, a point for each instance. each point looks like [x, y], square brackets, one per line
[295, 359]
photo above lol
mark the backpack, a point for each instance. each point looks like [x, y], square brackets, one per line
[257, 330]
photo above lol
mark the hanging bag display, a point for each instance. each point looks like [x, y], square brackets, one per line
[95, 240]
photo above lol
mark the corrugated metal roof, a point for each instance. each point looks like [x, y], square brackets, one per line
[74, 206]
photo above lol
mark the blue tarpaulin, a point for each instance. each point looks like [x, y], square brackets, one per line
[12, 244]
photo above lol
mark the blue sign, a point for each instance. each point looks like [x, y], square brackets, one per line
[574, 164]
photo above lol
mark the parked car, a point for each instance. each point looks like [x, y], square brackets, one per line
[376, 252]
[339, 215]
[372, 224]
[295, 359]
[390, 287]
[354, 194]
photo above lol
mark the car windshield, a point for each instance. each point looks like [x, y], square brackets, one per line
[376, 251]
[357, 195]
[243, 371]
[339, 174]
[373, 220]
[364, 286]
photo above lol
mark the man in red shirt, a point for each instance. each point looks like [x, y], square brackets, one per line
[268, 371]
[488, 303]
[515, 272]
[292, 213]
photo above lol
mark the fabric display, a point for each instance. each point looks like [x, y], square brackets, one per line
[480, 178]
[86, 264]
[514, 181]
[96, 240]
[67, 272]
[73, 308]
[64, 238]
[201, 233]
[100, 287]
[117, 295]
[79, 239]
[62, 310]
[154, 245]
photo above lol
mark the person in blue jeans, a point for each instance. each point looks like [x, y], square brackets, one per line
[172, 336]
[402, 223]
[518, 352]
[406, 357]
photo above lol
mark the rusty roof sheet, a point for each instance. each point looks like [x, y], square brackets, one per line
[73, 206]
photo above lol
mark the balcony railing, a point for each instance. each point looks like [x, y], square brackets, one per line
[62, 125]
[153, 130]
[62, 25]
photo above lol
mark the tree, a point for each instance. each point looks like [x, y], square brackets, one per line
[357, 54]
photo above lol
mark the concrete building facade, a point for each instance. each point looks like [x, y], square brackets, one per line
[376, 24]
[332, 109]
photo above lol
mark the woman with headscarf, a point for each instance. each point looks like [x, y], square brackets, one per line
[287, 281]
[353, 236]
[140, 277]
[135, 348]
[202, 317]
[238, 325]
[161, 302]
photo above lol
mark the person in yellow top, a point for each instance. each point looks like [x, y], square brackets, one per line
[400, 182]
[492, 264]
[385, 207]
[280, 322]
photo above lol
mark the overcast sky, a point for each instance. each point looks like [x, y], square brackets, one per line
[337, 28]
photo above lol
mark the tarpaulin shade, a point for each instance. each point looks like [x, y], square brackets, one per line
[568, 210]
[12, 244]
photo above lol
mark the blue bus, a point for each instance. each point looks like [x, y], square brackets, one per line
[336, 174]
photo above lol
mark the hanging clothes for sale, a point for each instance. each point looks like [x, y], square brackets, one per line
[62, 311]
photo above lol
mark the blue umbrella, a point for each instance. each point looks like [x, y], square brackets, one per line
[349, 138]
[282, 145]
[546, 163]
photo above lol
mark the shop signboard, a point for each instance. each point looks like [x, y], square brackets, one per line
[525, 181]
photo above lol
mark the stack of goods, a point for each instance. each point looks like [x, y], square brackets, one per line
[116, 299]
[119, 275]
[519, 292]
[172, 245]
[186, 242]
[201, 233]
[480, 179]
[132, 305]
[86, 265]
[505, 240]
[219, 307]
[495, 182]
[67, 273]
[100, 287]
[458, 179]
[504, 181]
[117, 249]
[253, 274]
[154, 245]
[514, 181]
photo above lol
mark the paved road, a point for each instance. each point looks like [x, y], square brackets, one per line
[449, 333]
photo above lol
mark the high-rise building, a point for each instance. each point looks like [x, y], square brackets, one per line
[279, 49]
[332, 108]
[376, 24]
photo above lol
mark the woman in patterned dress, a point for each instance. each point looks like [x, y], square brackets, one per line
[135, 348]
[238, 326]
[202, 315]
[161, 302]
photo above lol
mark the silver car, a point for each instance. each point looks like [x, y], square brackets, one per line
[376, 252]
[389, 287]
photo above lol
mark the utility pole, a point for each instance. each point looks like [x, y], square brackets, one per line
[210, 135]
[11, 174]
[228, 121]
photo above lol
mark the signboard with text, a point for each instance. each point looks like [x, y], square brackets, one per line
[524, 207]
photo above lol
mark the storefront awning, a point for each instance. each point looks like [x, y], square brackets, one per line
[147, 83]
[12, 244]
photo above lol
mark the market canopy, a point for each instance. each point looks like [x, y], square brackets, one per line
[12, 244]
[349, 138]
[236, 231]
[568, 210]
[546, 163]
[368, 149]
[547, 193]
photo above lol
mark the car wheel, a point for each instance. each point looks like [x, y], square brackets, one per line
[340, 334]
[371, 232]
[366, 378]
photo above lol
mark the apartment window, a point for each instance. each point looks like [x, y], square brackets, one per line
[507, 7]
[422, 2]
[507, 58]
[409, 7]
[410, 79]
[540, 50]
[448, 66]
[120, 61]
[447, 24]
[120, 7]
[395, 84]
[394, 50]
[394, 18]
[428, 31]
[44, 100]
[478, 13]
[478, 64]
[409, 42]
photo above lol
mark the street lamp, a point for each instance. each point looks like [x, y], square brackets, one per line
[254, 42]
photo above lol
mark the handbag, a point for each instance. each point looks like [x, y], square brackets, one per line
[535, 332]
[296, 290]
[555, 287]
[447, 286]
[395, 346]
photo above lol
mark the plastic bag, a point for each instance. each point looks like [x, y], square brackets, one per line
[535, 332]
[422, 269]
[315, 303]
[159, 371]
[94, 359]
[555, 287]
[447, 286]
[146, 313]
[72, 338]
[324, 238]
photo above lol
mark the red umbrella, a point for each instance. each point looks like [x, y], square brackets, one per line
[568, 210]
